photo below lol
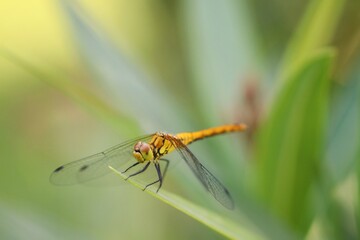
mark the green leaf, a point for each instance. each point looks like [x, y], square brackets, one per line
[221, 224]
[316, 30]
[222, 48]
[342, 157]
[131, 89]
[357, 214]
[357, 207]
[344, 125]
[32, 223]
[290, 146]
[80, 94]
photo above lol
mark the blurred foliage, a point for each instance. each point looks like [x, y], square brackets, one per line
[80, 76]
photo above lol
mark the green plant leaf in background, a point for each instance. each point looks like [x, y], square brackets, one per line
[343, 126]
[358, 168]
[222, 50]
[337, 192]
[152, 106]
[344, 143]
[37, 225]
[357, 206]
[316, 30]
[290, 144]
[79, 93]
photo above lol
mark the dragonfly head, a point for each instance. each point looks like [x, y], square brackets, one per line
[143, 152]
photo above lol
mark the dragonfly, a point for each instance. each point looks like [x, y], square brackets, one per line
[148, 150]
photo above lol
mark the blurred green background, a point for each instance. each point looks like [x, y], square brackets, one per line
[77, 77]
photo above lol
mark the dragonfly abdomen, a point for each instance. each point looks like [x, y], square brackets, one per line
[190, 137]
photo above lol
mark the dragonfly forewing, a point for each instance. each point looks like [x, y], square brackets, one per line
[95, 166]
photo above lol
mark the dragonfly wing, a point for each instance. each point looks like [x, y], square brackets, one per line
[209, 181]
[80, 171]
[95, 166]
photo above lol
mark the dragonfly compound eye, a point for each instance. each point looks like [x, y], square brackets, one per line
[142, 152]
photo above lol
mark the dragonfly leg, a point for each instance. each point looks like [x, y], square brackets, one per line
[160, 179]
[138, 172]
[131, 167]
[166, 167]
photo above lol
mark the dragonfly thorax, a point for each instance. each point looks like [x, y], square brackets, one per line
[143, 152]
